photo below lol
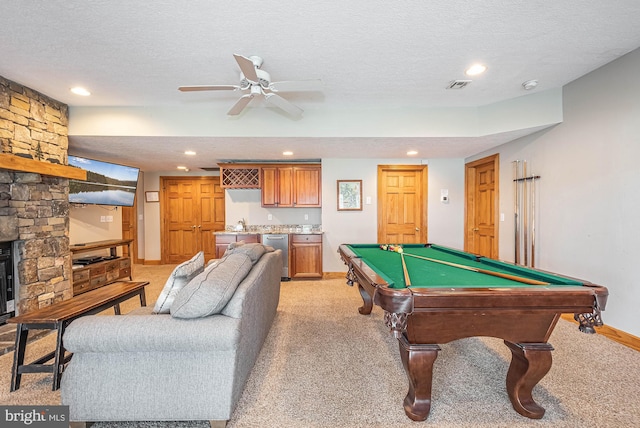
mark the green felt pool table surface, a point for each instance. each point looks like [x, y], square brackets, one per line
[423, 273]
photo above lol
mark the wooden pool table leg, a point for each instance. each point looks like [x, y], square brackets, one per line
[530, 362]
[367, 305]
[418, 364]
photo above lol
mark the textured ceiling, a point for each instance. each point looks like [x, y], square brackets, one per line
[369, 54]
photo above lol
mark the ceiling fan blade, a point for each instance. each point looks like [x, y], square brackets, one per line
[293, 110]
[209, 88]
[240, 105]
[296, 85]
[247, 67]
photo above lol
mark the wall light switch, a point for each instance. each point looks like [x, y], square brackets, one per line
[501, 216]
[367, 200]
[103, 219]
[269, 216]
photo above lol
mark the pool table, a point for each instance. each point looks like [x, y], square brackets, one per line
[452, 294]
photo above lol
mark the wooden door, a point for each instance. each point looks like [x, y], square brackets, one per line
[481, 206]
[193, 208]
[130, 231]
[211, 204]
[402, 204]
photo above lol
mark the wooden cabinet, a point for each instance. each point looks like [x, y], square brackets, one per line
[236, 176]
[306, 256]
[111, 269]
[291, 186]
[224, 239]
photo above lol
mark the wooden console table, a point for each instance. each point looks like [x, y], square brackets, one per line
[91, 276]
[57, 317]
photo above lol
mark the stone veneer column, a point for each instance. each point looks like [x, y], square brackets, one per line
[35, 126]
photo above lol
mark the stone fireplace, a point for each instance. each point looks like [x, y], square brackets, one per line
[34, 207]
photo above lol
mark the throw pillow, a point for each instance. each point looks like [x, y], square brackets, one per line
[181, 275]
[253, 250]
[209, 292]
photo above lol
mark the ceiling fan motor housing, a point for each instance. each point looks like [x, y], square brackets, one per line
[264, 79]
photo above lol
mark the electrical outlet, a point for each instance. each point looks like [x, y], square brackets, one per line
[103, 219]
[306, 216]
[269, 217]
[109, 219]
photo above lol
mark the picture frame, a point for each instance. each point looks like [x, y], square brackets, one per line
[349, 195]
[152, 196]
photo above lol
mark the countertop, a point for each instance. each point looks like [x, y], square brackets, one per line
[265, 232]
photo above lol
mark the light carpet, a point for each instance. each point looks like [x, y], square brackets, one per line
[325, 365]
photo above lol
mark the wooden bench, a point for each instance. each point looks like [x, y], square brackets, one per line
[57, 317]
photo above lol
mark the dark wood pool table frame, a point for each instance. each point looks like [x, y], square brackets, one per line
[422, 318]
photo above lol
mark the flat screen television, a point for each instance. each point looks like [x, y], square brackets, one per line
[107, 183]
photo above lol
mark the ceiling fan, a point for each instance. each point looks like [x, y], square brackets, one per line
[258, 82]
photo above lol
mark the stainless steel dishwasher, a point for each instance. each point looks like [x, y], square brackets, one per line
[279, 241]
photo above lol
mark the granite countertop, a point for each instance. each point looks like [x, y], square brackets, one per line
[264, 232]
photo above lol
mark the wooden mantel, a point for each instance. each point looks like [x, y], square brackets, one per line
[18, 163]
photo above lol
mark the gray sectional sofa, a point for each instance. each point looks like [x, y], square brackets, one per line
[179, 364]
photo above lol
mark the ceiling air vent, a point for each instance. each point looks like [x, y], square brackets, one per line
[458, 84]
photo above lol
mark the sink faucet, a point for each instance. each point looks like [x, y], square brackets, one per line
[242, 225]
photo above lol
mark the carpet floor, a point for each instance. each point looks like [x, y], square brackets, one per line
[324, 365]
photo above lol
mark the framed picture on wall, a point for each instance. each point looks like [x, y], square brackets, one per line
[349, 195]
[151, 197]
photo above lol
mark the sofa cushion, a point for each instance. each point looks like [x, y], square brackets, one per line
[253, 250]
[181, 275]
[209, 292]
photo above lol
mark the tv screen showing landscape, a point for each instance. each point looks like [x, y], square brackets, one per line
[106, 184]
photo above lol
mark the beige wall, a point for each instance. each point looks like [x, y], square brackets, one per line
[587, 195]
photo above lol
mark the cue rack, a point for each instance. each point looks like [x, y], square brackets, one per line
[524, 213]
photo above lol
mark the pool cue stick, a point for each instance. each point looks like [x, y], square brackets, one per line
[515, 208]
[517, 211]
[407, 280]
[525, 216]
[484, 271]
[533, 221]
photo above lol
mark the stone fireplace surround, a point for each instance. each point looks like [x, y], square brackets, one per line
[34, 208]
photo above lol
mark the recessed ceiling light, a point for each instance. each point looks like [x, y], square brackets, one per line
[190, 153]
[412, 152]
[182, 167]
[287, 153]
[475, 69]
[80, 91]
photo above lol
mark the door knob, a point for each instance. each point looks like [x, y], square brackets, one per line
[417, 229]
[475, 229]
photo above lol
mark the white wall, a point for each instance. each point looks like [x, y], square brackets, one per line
[588, 198]
[247, 204]
[85, 225]
[445, 221]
